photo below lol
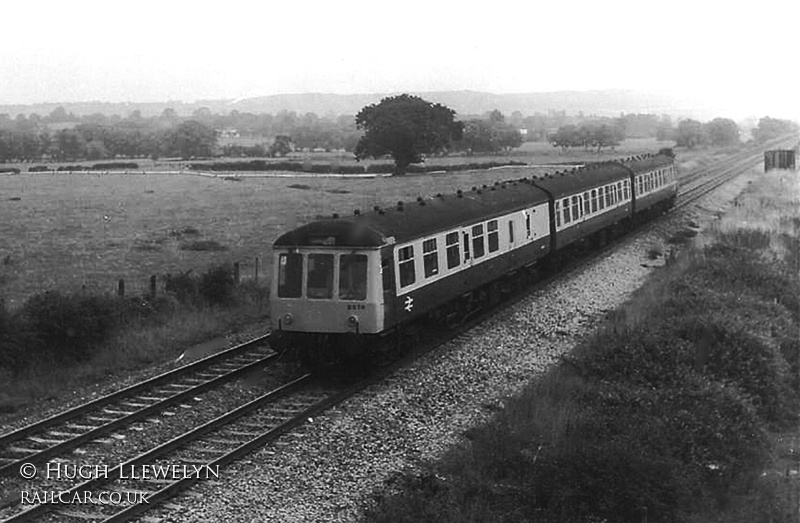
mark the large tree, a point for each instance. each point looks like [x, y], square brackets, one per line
[690, 134]
[191, 139]
[722, 131]
[406, 128]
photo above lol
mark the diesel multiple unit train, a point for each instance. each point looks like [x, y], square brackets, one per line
[344, 285]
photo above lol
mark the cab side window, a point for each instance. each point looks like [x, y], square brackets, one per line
[405, 262]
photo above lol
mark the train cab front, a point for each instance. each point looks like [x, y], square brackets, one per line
[326, 302]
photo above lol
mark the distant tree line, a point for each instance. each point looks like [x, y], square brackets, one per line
[63, 137]
[723, 131]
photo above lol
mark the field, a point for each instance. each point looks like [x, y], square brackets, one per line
[69, 231]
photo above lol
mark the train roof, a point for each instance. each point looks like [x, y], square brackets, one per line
[648, 162]
[576, 180]
[409, 220]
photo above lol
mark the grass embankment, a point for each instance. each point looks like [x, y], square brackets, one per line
[683, 408]
[56, 342]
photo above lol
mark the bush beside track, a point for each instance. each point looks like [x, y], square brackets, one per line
[672, 412]
[56, 336]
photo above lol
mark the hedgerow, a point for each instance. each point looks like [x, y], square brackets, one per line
[55, 328]
[321, 168]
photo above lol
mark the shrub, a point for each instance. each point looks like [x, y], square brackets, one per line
[68, 327]
[184, 286]
[203, 245]
[114, 165]
[6, 170]
[216, 286]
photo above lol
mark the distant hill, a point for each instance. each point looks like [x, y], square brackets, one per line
[605, 103]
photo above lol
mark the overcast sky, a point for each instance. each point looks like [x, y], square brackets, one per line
[738, 57]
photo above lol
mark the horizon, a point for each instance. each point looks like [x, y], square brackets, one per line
[687, 110]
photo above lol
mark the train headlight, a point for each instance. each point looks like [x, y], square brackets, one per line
[352, 320]
[288, 319]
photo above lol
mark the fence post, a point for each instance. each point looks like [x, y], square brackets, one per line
[121, 288]
[256, 273]
[153, 286]
[236, 273]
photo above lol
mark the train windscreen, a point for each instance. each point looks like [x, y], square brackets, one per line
[290, 275]
[353, 277]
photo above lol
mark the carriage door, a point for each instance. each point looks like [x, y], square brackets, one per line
[387, 276]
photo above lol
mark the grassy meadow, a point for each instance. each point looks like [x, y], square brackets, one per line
[682, 408]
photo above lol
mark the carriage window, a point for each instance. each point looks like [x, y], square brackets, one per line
[614, 197]
[352, 277]
[567, 217]
[528, 222]
[430, 257]
[290, 275]
[558, 218]
[618, 193]
[607, 190]
[601, 200]
[319, 282]
[510, 231]
[494, 236]
[405, 262]
[477, 241]
[594, 200]
[626, 190]
[586, 205]
[453, 256]
[576, 207]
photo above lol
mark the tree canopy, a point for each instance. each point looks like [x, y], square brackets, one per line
[406, 128]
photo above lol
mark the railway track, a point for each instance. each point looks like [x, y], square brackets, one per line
[729, 168]
[101, 420]
[151, 478]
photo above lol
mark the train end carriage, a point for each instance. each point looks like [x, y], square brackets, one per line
[655, 184]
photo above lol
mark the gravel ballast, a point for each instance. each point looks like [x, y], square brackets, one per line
[332, 466]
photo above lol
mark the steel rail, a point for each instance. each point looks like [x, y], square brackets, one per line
[172, 376]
